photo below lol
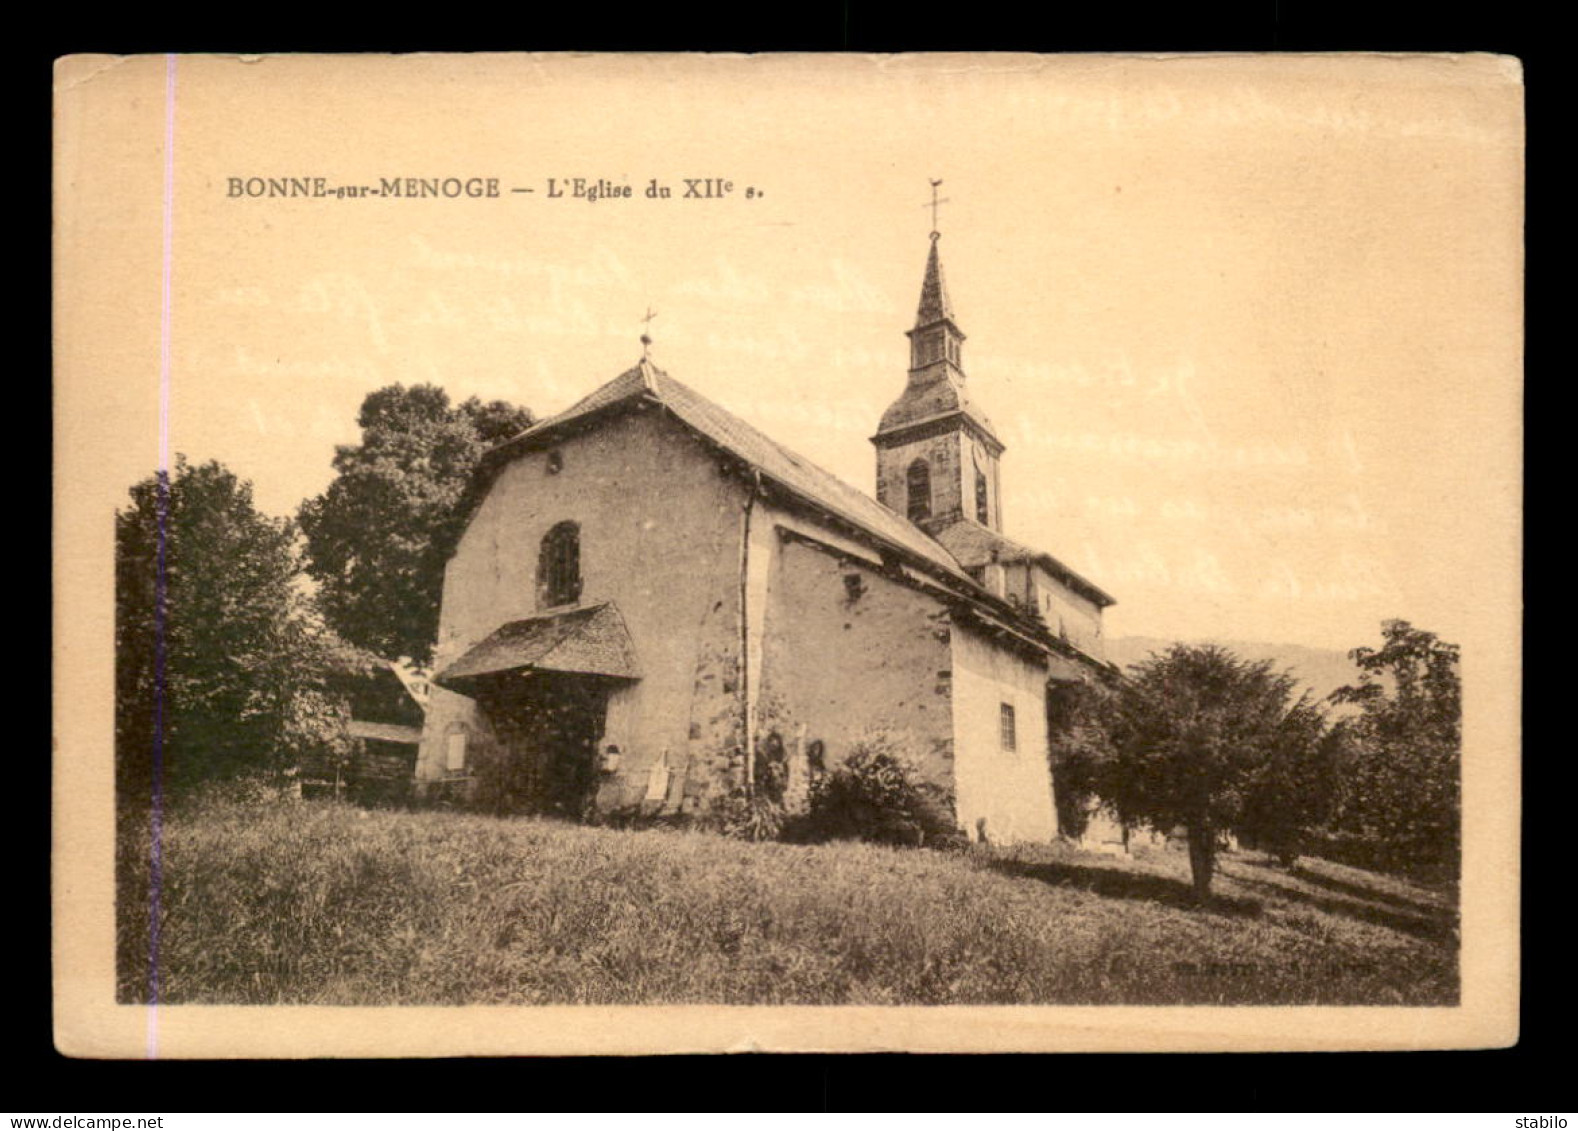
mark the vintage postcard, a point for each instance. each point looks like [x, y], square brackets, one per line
[662, 553]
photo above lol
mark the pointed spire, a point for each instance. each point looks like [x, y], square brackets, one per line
[934, 304]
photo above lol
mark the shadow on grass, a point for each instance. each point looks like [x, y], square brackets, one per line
[1373, 895]
[1351, 901]
[1435, 925]
[1117, 883]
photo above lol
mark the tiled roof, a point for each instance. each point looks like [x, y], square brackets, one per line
[776, 462]
[591, 640]
[930, 400]
[387, 732]
[974, 545]
[631, 383]
[790, 471]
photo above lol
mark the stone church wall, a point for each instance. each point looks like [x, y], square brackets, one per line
[848, 651]
[1010, 789]
[660, 529]
[1068, 614]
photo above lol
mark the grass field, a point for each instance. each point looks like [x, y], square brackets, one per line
[317, 903]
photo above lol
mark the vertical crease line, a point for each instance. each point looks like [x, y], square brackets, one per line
[160, 608]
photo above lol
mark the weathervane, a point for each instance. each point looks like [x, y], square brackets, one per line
[935, 234]
[646, 335]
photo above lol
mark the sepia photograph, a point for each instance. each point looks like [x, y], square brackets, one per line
[654, 553]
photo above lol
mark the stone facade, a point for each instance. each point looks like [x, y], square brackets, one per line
[851, 651]
[660, 527]
[1069, 614]
[1004, 782]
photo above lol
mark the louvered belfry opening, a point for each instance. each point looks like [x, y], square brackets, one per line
[917, 491]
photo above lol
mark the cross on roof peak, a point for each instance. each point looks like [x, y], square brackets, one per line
[646, 334]
[933, 204]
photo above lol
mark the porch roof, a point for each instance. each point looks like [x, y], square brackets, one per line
[384, 732]
[589, 640]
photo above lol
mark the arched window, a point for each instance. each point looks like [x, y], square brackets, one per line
[917, 484]
[559, 566]
[980, 497]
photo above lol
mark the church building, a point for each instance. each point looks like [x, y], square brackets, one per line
[653, 603]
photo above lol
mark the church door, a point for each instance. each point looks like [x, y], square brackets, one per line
[572, 724]
[549, 726]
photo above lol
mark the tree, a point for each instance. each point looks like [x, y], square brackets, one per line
[1195, 732]
[215, 647]
[1402, 783]
[378, 538]
[1294, 790]
[1079, 748]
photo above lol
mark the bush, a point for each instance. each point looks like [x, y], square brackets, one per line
[878, 794]
[246, 791]
[745, 817]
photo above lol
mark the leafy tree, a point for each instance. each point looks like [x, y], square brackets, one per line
[1079, 749]
[1294, 790]
[378, 538]
[1195, 733]
[1402, 782]
[215, 648]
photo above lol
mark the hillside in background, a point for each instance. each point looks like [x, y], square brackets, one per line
[1322, 670]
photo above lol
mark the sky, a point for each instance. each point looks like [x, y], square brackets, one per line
[1249, 328]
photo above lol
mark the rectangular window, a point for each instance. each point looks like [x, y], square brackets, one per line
[455, 752]
[1006, 724]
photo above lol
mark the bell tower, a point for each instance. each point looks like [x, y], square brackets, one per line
[937, 454]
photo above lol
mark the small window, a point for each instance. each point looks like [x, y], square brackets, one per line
[980, 497]
[455, 752]
[917, 484]
[555, 462]
[559, 566]
[1006, 725]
